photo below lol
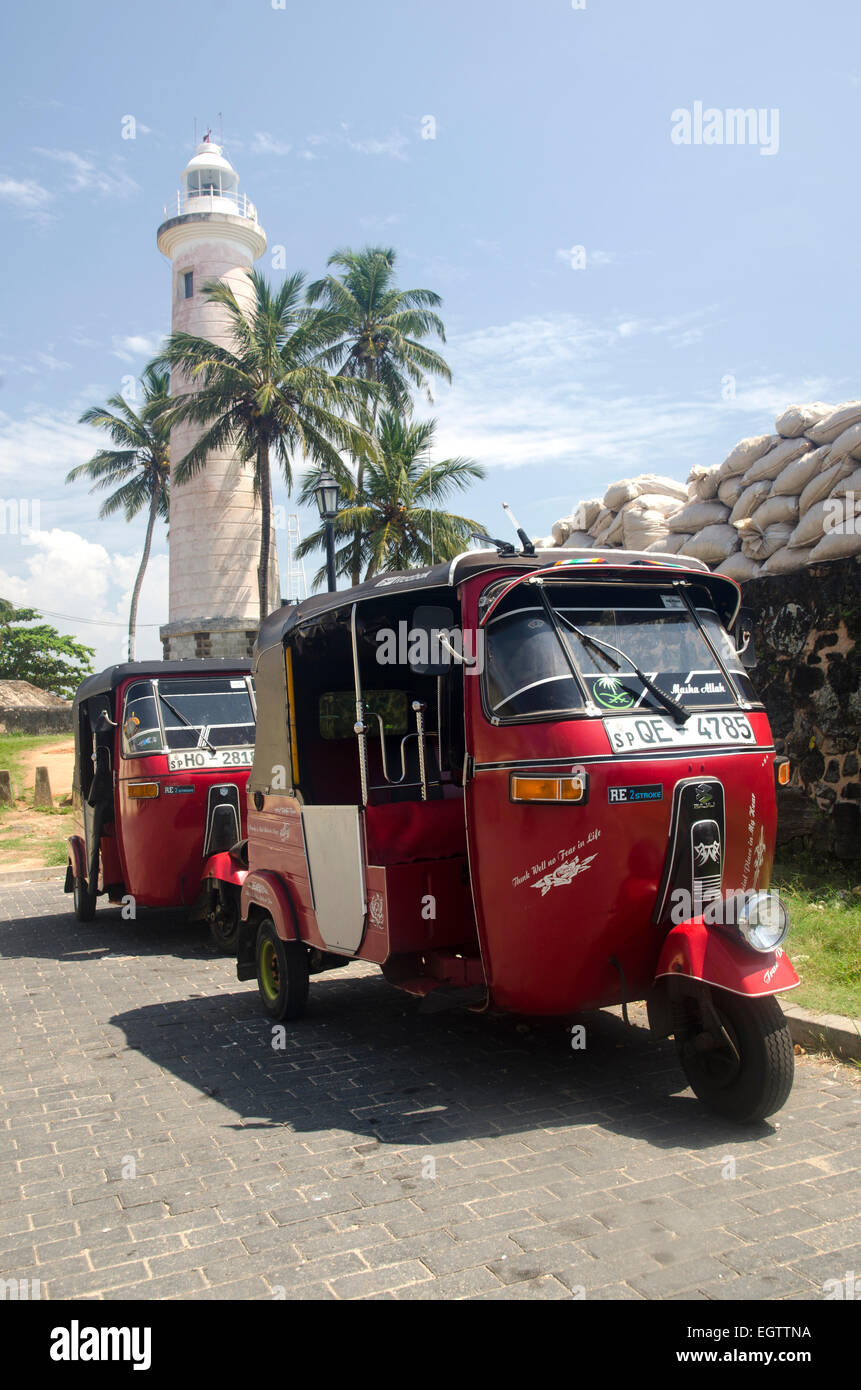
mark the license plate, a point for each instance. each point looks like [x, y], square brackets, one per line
[643, 732]
[193, 758]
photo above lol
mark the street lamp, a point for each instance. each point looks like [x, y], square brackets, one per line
[326, 493]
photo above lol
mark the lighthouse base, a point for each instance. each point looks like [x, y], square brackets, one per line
[196, 637]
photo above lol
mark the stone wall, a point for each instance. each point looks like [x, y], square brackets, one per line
[36, 721]
[808, 639]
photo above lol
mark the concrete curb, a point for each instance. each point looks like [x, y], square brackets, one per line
[9, 878]
[824, 1032]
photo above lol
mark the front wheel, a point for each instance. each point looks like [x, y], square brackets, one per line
[282, 973]
[747, 1074]
[83, 901]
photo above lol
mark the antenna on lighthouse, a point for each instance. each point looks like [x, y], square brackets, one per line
[220, 129]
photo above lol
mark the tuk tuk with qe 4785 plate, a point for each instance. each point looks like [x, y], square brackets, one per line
[526, 784]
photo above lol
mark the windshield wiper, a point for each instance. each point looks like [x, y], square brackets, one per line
[187, 722]
[674, 708]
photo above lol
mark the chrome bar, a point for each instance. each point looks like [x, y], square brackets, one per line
[360, 728]
[419, 707]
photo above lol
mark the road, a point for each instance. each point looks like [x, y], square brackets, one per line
[155, 1144]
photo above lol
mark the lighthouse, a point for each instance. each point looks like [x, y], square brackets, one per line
[211, 232]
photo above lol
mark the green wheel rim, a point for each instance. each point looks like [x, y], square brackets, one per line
[270, 975]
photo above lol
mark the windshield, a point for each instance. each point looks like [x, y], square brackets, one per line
[527, 673]
[212, 712]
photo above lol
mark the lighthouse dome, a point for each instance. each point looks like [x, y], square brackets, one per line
[209, 175]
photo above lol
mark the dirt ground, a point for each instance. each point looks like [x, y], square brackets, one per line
[59, 759]
[29, 839]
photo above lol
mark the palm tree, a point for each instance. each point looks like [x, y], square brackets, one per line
[267, 395]
[138, 468]
[381, 338]
[395, 515]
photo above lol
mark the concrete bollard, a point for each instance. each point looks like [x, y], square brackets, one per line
[42, 793]
[6, 797]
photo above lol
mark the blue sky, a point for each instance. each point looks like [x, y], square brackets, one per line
[720, 281]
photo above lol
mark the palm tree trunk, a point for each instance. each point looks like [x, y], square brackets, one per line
[265, 483]
[356, 565]
[136, 591]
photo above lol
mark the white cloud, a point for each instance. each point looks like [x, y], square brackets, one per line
[264, 143]
[27, 195]
[393, 146]
[87, 176]
[544, 391]
[134, 345]
[84, 590]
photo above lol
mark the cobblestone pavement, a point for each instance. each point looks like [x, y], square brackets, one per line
[382, 1153]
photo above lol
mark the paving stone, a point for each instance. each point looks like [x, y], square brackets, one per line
[304, 1172]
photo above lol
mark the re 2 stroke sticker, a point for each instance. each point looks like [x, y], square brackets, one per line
[652, 732]
[624, 796]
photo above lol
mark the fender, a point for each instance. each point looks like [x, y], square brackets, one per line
[78, 857]
[266, 890]
[696, 951]
[225, 867]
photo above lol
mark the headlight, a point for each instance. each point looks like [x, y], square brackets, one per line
[763, 921]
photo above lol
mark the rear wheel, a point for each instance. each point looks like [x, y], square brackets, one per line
[282, 973]
[83, 900]
[746, 1075]
[224, 921]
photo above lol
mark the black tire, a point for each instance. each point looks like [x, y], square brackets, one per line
[282, 973]
[746, 1090]
[83, 901]
[224, 927]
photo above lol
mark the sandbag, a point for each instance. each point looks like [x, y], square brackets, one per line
[656, 483]
[696, 515]
[713, 544]
[586, 513]
[852, 484]
[739, 566]
[752, 497]
[657, 502]
[832, 425]
[821, 485]
[794, 478]
[776, 459]
[782, 561]
[849, 442]
[669, 544]
[601, 522]
[758, 545]
[745, 453]
[730, 490]
[775, 510]
[618, 494]
[578, 540]
[809, 529]
[837, 544]
[703, 483]
[641, 526]
[798, 419]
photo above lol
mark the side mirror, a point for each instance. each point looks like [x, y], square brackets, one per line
[434, 641]
[104, 723]
[743, 636]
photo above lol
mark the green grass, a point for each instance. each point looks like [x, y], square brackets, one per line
[14, 746]
[52, 852]
[824, 943]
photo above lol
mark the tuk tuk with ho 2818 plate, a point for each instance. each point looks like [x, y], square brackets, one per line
[526, 783]
[163, 750]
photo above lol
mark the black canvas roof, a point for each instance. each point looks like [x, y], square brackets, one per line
[113, 676]
[278, 624]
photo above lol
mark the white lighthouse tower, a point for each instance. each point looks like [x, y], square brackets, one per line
[212, 233]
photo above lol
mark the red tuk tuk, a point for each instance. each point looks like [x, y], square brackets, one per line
[528, 783]
[163, 750]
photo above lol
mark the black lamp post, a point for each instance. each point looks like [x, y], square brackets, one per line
[326, 493]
